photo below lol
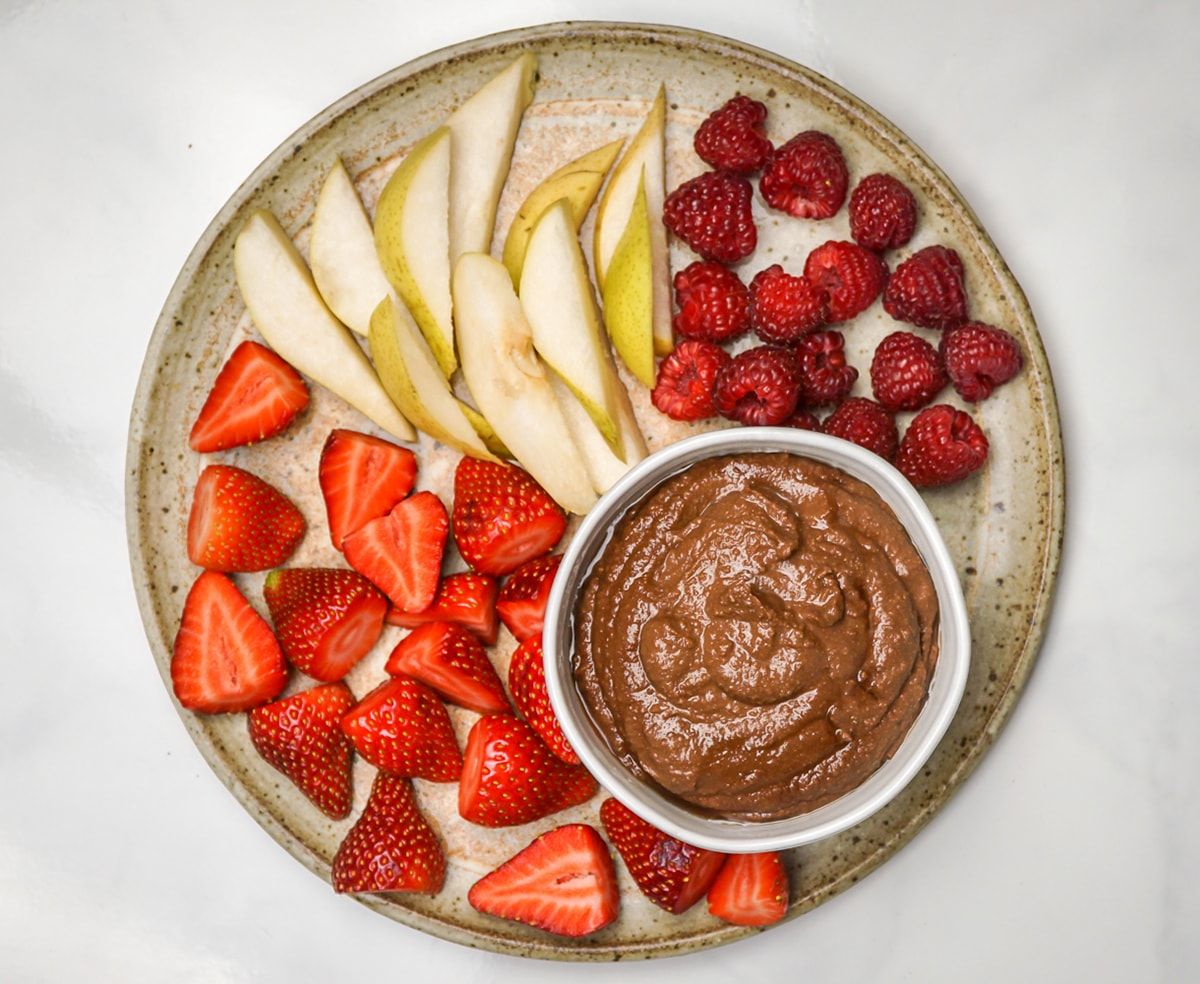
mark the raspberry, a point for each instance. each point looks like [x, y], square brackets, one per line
[782, 307]
[684, 390]
[803, 420]
[714, 304]
[760, 386]
[824, 376]
[853, 277]
[979, 358]
[927, 289]
[712, 214]
[865, 423]
[941, 445]
[883, 213]
[806, 177]
[906, 372]
[732, 138]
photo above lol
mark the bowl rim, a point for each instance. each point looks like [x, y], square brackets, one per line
[946, 686]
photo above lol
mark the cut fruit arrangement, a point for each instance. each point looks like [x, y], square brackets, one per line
[409, 319]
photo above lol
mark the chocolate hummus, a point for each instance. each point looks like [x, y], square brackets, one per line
[758, 635]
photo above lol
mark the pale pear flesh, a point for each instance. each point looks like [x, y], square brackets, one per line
[604, 466]
[628, 294]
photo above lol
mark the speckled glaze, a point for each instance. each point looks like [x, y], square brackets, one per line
[1003, 527]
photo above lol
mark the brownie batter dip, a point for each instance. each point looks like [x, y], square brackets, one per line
[758, 635]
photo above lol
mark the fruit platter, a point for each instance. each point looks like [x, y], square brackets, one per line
[421, 342]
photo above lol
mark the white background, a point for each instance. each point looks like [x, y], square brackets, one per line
[1071, 855]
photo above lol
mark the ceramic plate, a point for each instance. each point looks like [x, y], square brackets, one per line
[1003, 527]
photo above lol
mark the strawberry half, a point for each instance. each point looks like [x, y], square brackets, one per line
[326, 618]
[402, 551]
[453, 662]
[225, 657]
[255, 396]
[527, 683]
[510, 777]
[302, 737]
[240, 523]
[401, 727]
[750, 890]
[522, 603]
[670, 873]
[564, 882]
[502, 517]
[391, 847]
[466, 599]
[362, 478]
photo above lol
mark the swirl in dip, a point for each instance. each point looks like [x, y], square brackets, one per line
[758, 635]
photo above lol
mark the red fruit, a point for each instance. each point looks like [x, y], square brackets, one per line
[853, 277]
[362, 478]
[225, 658]
[865, 423]
[906, 372]
[927, 289]
[806, 177]
[522, 604]
[824, 376]
[803, 420]
[502, 517]
[883, 213]
[784, 308]
[449, 659]
[712, 214]
[527, 683]
[732, 138]
[301, 736]
[391, 847]
[941, 445]
[714, 304]
[760, 386]
[564, 883]
[401, 727]
[510, 777]
[402, 551]
[979, 358]
[684, 389]
[750, 890]
[255, 396]
[671, 874]
[326, 619]
[466, 599]
[240, 523]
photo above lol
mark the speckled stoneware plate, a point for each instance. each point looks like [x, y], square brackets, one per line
[1003, 527]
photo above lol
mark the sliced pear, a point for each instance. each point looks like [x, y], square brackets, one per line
[483, 131]
[485, 431]
[578, 181]
[509, 383]
[629, 294]
[341, 252]
[604, 466]
[412, 240]
[646, 153]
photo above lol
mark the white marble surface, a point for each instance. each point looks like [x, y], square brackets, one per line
[1072, 128]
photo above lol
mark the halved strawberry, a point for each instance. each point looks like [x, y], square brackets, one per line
[326, 618]
[527, 683]
[522, 602]
[225, 657]
[255, 396]
[670, 873]
[401, 727]
[564, 882]
[302, 737]
[362, 478]
[239, 522]
[510, 777]
[466, 599]
[502, 517]
[391, 847]
[449, 659]
[750, 890]
[402, 551]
